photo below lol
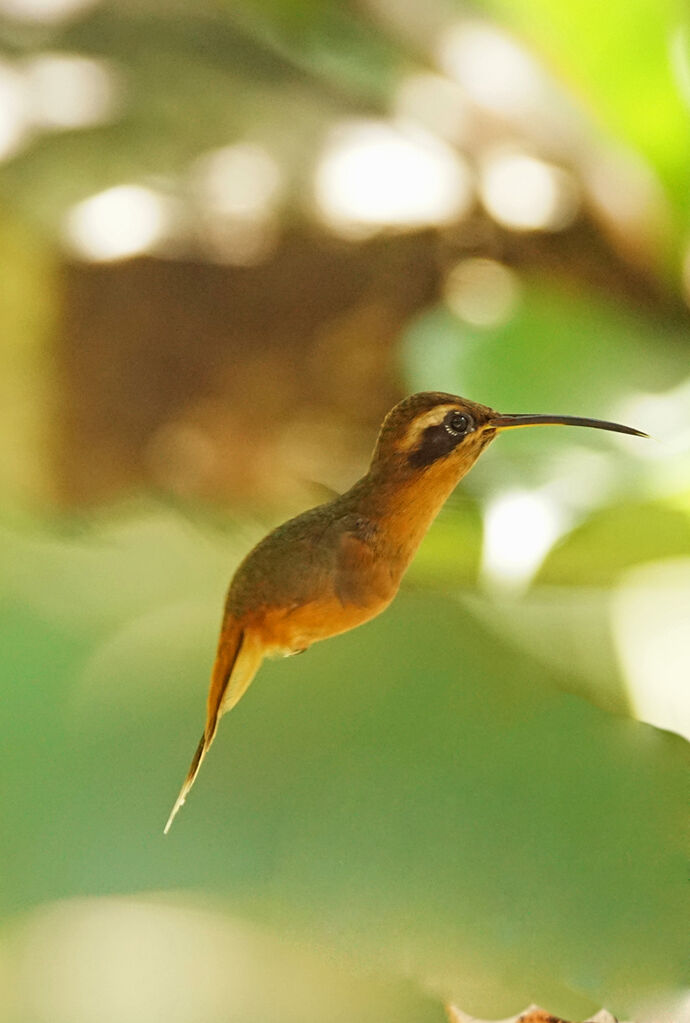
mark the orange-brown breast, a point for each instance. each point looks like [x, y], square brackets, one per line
[285, 632]
[359, 586]
[337, 566]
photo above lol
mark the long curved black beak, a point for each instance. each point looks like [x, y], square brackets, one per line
[509, 422]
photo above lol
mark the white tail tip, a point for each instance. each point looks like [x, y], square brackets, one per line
[173, 813]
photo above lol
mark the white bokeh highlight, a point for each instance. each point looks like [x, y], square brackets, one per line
[520, 527]
[68, 91]
[491, 67]
[121, 222]
[650, 617]
[44, 11]
[116, 959]
[376, 174]
[524, 193]
[15, 117]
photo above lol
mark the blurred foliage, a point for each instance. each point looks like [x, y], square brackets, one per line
[615, 538]
[561, 350]
[440, 814]
[634, 91]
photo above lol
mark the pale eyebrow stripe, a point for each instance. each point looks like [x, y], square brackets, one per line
[434, 417]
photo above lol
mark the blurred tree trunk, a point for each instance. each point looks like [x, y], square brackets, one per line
[233, 382]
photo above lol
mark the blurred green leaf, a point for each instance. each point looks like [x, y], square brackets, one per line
[417, 793]
[550, 624]
[614, 539]
[563, 351]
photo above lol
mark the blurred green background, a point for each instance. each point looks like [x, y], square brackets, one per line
[232, 235]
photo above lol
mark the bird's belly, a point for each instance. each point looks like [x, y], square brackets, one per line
[290, 631]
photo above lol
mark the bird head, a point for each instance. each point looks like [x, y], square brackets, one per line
[432, 431]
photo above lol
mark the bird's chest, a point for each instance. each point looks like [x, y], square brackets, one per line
[353, 586]
[289, 631]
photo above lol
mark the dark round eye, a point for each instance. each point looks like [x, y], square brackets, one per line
[458, 423]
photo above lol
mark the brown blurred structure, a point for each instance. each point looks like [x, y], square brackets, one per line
[244, 383]
[221, 382]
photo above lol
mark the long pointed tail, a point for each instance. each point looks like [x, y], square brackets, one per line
[188, 782]
[236, 664]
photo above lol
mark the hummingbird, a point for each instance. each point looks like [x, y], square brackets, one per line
[340, 564]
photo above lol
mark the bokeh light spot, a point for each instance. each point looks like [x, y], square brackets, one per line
[14, 110]
[520, 527]
[236, 190]
[243, 180]
[47, 11]
[665, 415]
[650, 616]
[121, 222]
[375, 174]
[493, 69]
[70, 91]
[482, 292]
[527, 194]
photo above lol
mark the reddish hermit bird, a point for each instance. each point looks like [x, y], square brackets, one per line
[340, 564]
